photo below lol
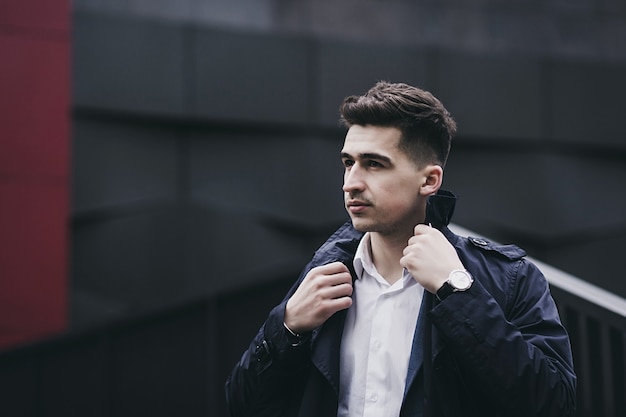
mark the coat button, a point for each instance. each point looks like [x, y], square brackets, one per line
[479, 241]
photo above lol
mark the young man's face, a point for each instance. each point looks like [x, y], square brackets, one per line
[381, 184]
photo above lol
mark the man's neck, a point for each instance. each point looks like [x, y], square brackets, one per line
[386, 254]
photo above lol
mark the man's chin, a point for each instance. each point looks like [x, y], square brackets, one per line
[371, 227]
[362, 226]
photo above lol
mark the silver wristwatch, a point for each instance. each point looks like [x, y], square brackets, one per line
[458, 280]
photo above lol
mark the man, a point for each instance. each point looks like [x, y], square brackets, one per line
[397, 316]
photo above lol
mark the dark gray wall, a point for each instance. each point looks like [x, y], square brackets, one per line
[205, 159]
[558, 28]
[166, 363]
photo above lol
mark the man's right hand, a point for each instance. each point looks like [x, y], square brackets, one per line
[324, 291]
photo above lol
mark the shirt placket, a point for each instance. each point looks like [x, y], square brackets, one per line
[375, 386]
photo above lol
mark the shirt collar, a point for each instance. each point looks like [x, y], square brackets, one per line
[363, 256]
[363, 263]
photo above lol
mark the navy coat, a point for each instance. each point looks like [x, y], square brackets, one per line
[498, 349]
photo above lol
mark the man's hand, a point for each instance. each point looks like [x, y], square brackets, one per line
[430, 258]
[324, 291]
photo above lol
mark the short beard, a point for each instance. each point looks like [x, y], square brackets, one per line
[381, 229]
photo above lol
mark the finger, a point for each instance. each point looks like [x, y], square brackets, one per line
[412, 244]
[336, 267]
[415, 243]
[337, 304]
[337, 291]
[422, 229]
[332, 268]
[408, 262]
[336, 279]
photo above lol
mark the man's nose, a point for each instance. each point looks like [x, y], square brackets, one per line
[353, 179]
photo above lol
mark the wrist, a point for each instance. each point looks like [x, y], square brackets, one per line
[294, 338]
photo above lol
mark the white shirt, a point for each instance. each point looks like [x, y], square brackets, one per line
[377, 340]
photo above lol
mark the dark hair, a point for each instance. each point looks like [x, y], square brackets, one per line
[427, 127]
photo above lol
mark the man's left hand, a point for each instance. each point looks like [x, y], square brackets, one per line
[430, 258]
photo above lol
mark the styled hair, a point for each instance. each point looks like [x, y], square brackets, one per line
[426, 126]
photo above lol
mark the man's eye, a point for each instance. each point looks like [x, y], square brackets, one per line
[374, 164]
[348, 163]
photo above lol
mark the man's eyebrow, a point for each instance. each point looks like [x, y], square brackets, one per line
[367, 155]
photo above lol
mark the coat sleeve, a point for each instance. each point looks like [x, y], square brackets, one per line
[270, 372]
[516, 354]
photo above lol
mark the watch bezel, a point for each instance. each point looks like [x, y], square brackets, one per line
[460, 280]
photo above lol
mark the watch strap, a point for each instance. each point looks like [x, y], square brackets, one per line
[445, 290]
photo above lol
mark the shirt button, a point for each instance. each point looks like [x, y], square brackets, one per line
[373, 398]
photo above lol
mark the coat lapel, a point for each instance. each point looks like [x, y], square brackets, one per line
[416, 359]
[326, 348]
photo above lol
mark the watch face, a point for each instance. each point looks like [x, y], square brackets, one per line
[460, 280]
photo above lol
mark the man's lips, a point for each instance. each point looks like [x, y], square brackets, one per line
[356, 206]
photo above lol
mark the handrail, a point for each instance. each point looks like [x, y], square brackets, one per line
[569, 283]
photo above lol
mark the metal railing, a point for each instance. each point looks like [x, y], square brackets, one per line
[596, 322]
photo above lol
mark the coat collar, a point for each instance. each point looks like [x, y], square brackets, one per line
[440, 208]
[341, 246]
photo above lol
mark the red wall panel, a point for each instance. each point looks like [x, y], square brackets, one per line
[33, 294]
[34, 168]
[34, 80]
[35, 15]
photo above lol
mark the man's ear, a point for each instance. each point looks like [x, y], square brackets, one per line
[431, 180]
